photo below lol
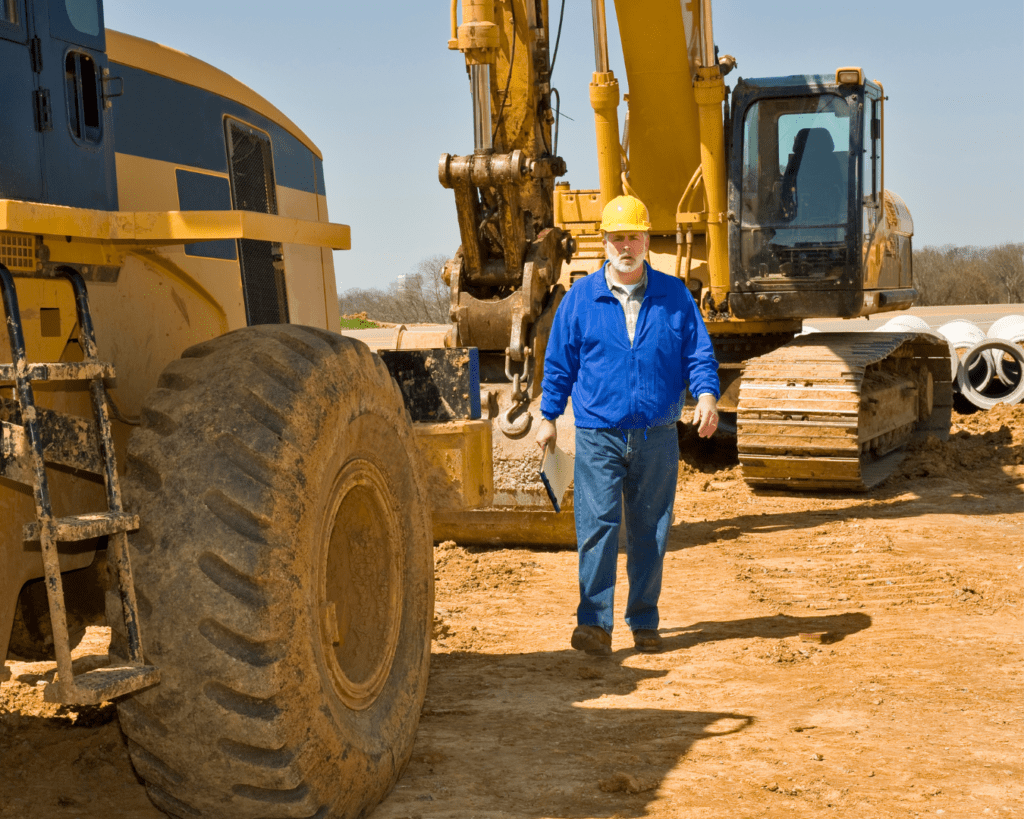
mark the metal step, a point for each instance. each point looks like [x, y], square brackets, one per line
[60, 371]
[83, 527]
[102, 684]
[26, 445]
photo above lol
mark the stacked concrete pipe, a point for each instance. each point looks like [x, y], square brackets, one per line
[1010, 391]
[1008, 328]
[962, 335]
[905, 324]
[991, 367]
[985, 370]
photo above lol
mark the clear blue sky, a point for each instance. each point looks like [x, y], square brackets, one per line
[375, 87]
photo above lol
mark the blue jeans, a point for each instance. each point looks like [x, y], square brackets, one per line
[639, 467]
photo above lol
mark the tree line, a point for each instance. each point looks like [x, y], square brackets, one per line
[970, 275]
[943, 275]
[420, 297]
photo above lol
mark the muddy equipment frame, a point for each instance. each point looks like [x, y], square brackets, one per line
[178, 413]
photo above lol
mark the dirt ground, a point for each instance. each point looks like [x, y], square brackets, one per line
[825, 656]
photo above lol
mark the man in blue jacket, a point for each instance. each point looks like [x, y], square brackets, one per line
[626, 343]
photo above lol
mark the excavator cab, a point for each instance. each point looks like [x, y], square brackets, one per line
[805, 195]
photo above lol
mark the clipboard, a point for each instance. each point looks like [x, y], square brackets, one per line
[556, 473]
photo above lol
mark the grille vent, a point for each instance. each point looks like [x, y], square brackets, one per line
[253, 188]
[18, 252]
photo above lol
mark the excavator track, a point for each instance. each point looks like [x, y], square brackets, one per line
[836, 410]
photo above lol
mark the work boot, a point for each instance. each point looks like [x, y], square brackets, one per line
[647, 639]
[592, 639]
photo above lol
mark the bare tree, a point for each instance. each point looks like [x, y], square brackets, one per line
[1006, 263]
[420, 297]
[435, 292]
[970, 275]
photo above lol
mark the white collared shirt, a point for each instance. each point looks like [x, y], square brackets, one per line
[630, 299]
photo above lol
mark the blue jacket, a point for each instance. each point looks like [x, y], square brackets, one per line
[613, 384]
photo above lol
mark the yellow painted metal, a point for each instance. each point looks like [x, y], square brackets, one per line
[502, 526]
[604, 99]
[167, 227]
[516, 123]
[48, 318]
[752, 327]
[710, 94]
[664, 144]
[459, 465]
[577, 208]
[478, 36]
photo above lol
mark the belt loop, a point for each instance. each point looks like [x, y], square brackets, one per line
[622, 432]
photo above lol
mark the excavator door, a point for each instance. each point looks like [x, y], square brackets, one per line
[804, 196]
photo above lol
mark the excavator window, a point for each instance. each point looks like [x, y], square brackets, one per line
[871, 168]
[795, 184]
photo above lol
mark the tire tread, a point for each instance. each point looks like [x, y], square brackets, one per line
[217, 450]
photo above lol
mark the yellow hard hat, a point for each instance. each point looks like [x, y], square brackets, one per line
[624, 214]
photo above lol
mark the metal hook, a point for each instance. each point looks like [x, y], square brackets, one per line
[520, 382]
[515, 427]
[513, 421]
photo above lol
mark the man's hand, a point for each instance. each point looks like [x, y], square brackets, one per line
[705, 415]
[547, 434]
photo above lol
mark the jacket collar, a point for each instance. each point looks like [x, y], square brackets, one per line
[655, 285]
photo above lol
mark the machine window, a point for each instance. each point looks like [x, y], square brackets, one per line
[84, 15]
[83, 97]
[795, 185]
[871, 169]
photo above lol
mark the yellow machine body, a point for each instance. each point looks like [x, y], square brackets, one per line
[151, 297]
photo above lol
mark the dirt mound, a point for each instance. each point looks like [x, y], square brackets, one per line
[985, 439]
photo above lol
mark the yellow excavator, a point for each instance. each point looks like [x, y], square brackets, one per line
[767, 199]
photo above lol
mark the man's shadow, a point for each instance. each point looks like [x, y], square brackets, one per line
[542, 734]
[826, 629]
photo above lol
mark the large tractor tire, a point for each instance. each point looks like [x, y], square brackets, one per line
[284, 576]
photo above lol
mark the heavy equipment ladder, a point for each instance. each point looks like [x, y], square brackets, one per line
[42, 435]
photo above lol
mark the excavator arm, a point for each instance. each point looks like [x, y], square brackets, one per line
[767, 201]
[503, 275]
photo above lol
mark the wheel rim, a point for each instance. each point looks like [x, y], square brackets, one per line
[360, 598]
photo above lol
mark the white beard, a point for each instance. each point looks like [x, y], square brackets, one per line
[623, 266]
